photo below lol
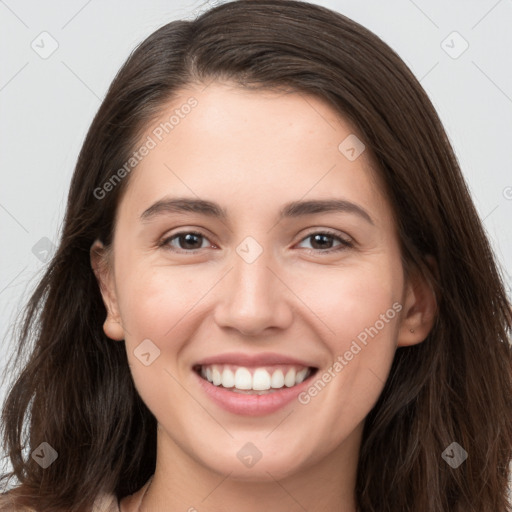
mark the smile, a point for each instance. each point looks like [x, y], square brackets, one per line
[253, 390]
[260, 380]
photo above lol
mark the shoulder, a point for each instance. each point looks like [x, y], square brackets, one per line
[106, 502]
[8, 504]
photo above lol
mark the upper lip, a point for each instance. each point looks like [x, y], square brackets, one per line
[262, 359]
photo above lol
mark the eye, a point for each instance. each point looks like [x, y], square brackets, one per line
[323, 242]
[192, 241]
[187, 241]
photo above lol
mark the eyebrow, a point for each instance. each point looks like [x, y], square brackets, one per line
[289, 210]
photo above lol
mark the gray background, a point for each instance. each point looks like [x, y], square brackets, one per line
[47, 103]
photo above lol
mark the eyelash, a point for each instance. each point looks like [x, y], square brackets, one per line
[344, 244]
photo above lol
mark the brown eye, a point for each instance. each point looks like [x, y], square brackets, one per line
[323, 242]
[187, 241]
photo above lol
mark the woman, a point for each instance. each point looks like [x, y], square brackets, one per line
[192, 353]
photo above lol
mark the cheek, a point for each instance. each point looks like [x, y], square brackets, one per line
[155, 300]
[361, 308]
[158, 305]
[349, 299]
[160, 302]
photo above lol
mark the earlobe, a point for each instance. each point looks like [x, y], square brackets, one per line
[420, 308]
[102, 269]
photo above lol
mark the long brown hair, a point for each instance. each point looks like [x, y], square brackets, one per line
[75, 390]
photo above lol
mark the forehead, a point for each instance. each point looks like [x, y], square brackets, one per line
[253, 147]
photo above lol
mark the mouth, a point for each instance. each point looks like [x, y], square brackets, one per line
[252, 380]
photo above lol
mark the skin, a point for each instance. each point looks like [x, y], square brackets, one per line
[252, 152]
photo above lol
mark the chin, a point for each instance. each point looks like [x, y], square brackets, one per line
[251, 464]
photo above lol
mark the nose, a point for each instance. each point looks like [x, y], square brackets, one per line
[254, 297]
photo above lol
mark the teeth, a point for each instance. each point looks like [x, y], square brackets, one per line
[243, 379]
[228, 379]
[216, 377]
[263, 380]
[277, 379]
[289, 379]
[260, 380]
[301, 375]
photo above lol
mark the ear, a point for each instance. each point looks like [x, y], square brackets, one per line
[420, 307]
[103, 270]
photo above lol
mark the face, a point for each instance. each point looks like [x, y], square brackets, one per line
[255, 281]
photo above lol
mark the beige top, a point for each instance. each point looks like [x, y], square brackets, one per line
[106, 502]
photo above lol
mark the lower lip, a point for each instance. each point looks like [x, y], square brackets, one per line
[251, 405]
